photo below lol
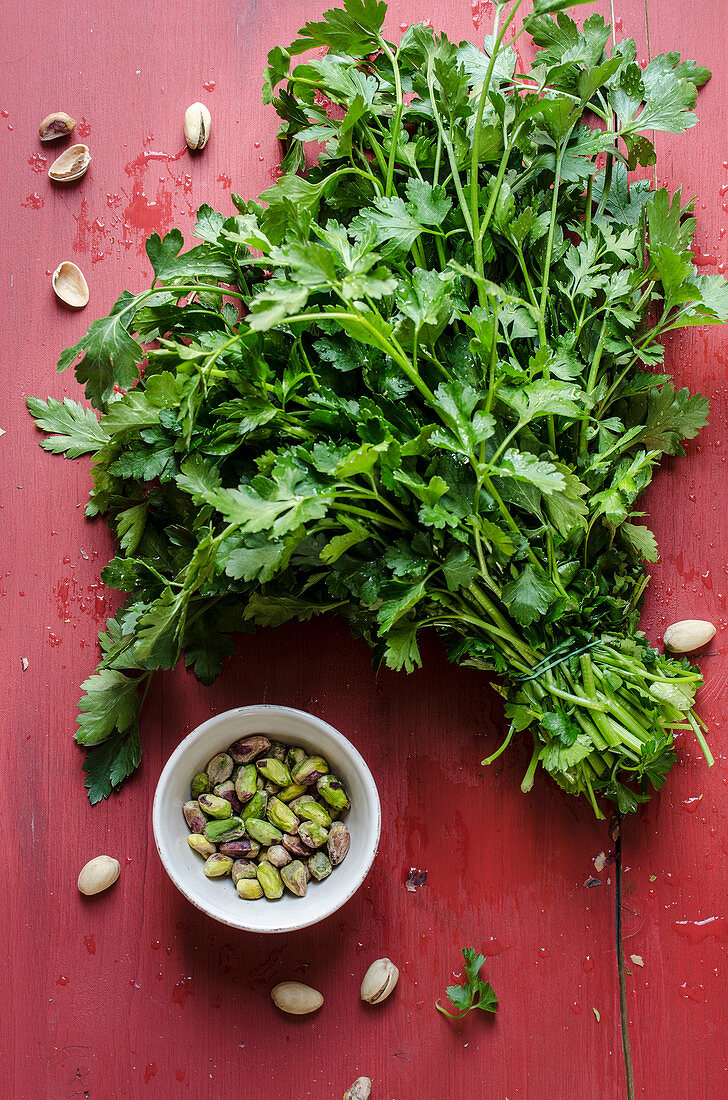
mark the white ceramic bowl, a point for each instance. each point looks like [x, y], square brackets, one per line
[218, 897]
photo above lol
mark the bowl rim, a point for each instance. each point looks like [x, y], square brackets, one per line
[358, 761]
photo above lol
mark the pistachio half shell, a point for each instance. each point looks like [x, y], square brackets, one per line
[71, 165]
[70, 285]
[197, 126]
[57, 125]
[688, 635]
[360, 1090]
[296, 998]
[379, 981]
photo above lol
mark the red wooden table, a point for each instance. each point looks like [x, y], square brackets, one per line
[135, 993]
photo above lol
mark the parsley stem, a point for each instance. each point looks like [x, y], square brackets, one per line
[397, 121]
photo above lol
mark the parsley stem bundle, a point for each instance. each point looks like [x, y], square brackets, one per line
[414, 385]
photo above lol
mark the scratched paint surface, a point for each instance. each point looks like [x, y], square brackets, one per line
[136, 994]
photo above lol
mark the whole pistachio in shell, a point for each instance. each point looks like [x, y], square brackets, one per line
[296, 998]
[57, 125]
[72, 164]
[197, 126]
[70, 285]
[379, 981]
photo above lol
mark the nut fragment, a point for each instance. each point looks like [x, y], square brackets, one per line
[98, 874]
[70, 285]
[296, 998]
[57, 125]
[379, 981]
[72, 164]
[360, 1090]
[197, 126]
[688, 635]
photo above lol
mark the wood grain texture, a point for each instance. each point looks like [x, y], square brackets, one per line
[134, 993]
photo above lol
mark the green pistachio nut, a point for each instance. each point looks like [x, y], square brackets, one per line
[256, 807]
[277, 750]
[332, 790]
[220, 768]
[217, 865]
[246, 782]
[243, 868]
[310, 770]
[232, 828]
[295, 756]
[270, 879]
[319, 865]
[274, 770]
[214, 806]
[312, 835]
[294, 878]
[200, 844]
[247, 748]
[300, 801]
[242, 848]
[278, 856]
[194, 816]
[263, 831]
[293, 843]
[281, 815]
[200, 784]
[249, 888]
[338, 842]
[314, 811]
[293, 790]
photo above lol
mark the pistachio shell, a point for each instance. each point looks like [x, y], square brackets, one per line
[360, 1090]
[98, 874]
[379, 981]
[296, 998]
[70, 285]
[71, 165]
[688, 635]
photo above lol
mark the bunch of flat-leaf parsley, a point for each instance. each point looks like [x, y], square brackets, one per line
[413, 384]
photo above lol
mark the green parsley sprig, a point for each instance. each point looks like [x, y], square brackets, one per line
[418, 385]
[473, 993]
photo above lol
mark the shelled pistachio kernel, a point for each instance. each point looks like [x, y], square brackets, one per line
[281, 815]
[319, 865]
[214, 806]
[332, 790]
[249, 888]
[200, 844]
[270, 879]
[274, 770]
[232, 828]
[218, 865]
[220, 768]
[310, 770]
[200, 785]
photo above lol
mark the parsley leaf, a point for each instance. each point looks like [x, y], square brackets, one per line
[473, 993]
